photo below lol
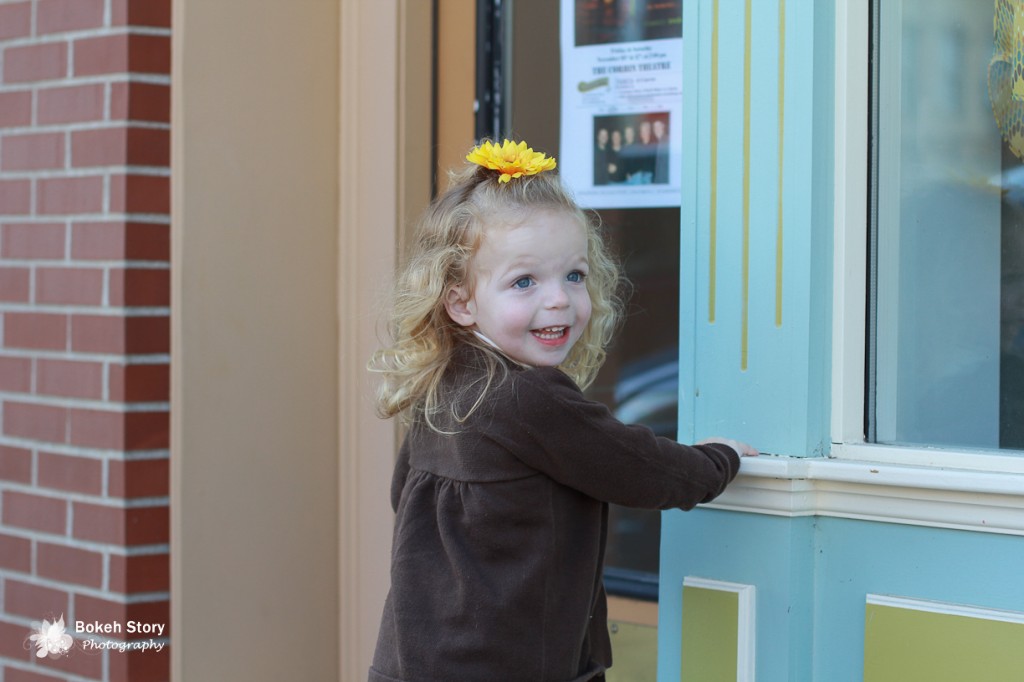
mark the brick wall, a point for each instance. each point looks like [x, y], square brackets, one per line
[84, 330]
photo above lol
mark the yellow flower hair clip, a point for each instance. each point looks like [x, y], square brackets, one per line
[510, 159]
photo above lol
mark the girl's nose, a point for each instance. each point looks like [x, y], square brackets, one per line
[557, 297]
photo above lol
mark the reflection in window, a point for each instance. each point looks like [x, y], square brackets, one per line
[640, 379]
[947, 367]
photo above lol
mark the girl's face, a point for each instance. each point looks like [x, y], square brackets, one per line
[527, 290]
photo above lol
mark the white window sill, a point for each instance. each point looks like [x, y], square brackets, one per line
[889, 492]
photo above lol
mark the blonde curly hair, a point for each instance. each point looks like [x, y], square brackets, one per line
[424, 337]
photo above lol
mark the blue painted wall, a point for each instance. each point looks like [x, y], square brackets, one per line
[753, 360]
[813, 575]
[772, 553]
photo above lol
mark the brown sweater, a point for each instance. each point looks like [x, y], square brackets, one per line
[500, 532]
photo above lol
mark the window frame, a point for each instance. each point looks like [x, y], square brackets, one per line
[852, 190]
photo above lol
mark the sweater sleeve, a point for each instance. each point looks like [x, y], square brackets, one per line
[580, 444]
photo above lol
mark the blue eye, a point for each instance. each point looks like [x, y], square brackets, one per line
[522, 283]
[576, 276]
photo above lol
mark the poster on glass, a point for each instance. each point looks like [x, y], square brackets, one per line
[622, 82]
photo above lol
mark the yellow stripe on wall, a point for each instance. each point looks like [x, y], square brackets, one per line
[782, 111]
[713, 214]
[745, 321]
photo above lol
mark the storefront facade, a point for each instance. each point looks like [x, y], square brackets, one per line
[842, 334]
[856, 529]
[839, 283]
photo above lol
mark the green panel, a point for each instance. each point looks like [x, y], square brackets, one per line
[634, 652]
[710, 639]
[903, 644]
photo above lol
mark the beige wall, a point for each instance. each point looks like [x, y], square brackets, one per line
[293, 168]
[456, 84]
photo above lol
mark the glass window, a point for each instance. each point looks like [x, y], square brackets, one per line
[946, 319]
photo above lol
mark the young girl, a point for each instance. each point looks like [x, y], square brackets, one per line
[502, 484]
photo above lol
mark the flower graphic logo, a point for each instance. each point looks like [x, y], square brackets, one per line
[51, 640]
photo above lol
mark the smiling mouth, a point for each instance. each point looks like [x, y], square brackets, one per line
[550, 333]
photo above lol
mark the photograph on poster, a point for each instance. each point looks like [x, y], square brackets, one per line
[623, 21]
[631, 149]
[622, 101]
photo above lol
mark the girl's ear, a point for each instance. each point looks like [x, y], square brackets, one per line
[459, 307]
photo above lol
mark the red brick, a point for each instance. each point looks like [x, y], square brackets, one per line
[35, 241]
[140, 194]
[140, 287]
[98, 333]
[33, 601]
[140, 383]
[149, 54]
[69, 195]
[15, 464]
[15, 374]
[69, 564]
[54, 16]
[70, 473]
[18, 675]
[15, 553]
[116, 525]
[15, 20]
[15, 197]
[98, 241]
[147, 431]
[101, 55]
[115, 334]
[97, 428]
[141, 666]
[120, 146]
[150, 13]
[99, 523]
[138, 478]
[102, 147]
[14, 284]
[119, 430]
[147, 102]
[38, 422]
[39, 331]
[15, 107]
[71, 104]
[35, 512]
[140, 573]
[147, 526]
[69, 378]
[149, 147]
[147, 241]
[34, 151]
[37, 62]
[69, 286]
[12, 640]
[120, 241]
[122, 53]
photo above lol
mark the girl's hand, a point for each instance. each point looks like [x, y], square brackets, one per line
[740, 447]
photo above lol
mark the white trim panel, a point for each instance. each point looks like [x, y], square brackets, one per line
[876, 491]
[947, 609]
